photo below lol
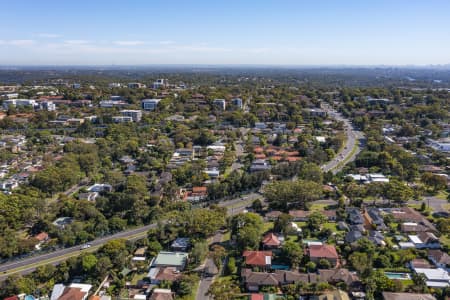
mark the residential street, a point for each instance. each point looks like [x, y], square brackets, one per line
[205, 281]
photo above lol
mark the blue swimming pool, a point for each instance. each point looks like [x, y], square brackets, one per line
[279, 267]
[399, 276]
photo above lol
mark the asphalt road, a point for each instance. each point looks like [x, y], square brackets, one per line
[205, 282]
[354, 138]
[58, 256]
[436, 204]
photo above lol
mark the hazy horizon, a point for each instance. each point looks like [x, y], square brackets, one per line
[287, 33]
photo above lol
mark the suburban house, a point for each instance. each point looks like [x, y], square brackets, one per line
[180, 244]
[377, 238]
[162, 294]
[273, 215]
[299, 215]
[258, 258]
[140, 254]
[41, 239]
[425, 240]
[408, 214]
[411, 227]
[439, 258]
[328, 252]
[177, 260]
[354, 216]
[333, 295]
[436, 278]
[373, 219]
[100, 187]
[271, 241]
[256, 280]
[407, 296]
[420, 263]
[150, 104]
[157, 275]
[75, 291]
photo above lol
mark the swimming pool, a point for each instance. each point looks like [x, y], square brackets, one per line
[399, 276]
[279, 267]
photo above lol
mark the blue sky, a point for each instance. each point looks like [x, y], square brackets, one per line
[274, 32]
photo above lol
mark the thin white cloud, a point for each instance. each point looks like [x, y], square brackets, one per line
[166, 42]
[49, 35]
[76, 42]
[20, 42]
[129, 43]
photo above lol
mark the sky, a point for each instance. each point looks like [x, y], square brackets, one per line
[261, 32]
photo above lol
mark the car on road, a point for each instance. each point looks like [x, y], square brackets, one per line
[85, 246]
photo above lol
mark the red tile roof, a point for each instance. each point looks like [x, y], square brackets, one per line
[199, 189]
[323, 251]
[71, 293]
[41, 236]
[271, 240]
[257, 258]
[257, 297]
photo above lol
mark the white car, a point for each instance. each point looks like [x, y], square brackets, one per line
[85, 246]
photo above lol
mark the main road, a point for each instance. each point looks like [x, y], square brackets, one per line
[352, 144]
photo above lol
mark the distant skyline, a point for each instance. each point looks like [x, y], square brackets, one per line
[263, 32]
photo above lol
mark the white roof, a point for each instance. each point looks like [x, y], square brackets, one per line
[315, 243]
[438, 284]
[410, 224]
[320, 139]
[358, 177]
[152, 273]
[380, 180]
[138, 258]
[434, 274]
[140, 297]
[268, 260]
[415, 239]
[83, 287]
[57, 291]
[377, 175]
[404, 245]
[162, 291]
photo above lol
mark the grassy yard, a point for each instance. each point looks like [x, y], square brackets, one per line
[192, 295]
[445, 240]
[331, 225]
[137, 277]
[226, 237]
[442, 195]
[268, 226]
[318, 207]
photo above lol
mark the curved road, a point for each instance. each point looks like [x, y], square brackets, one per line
[348, 154]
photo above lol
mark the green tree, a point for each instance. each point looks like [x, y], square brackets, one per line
[223, 289]
[316, 220]
[281, 194]
[88, 262]
[360, 262]
[434, 181]
[199, 252]
[293, 252]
